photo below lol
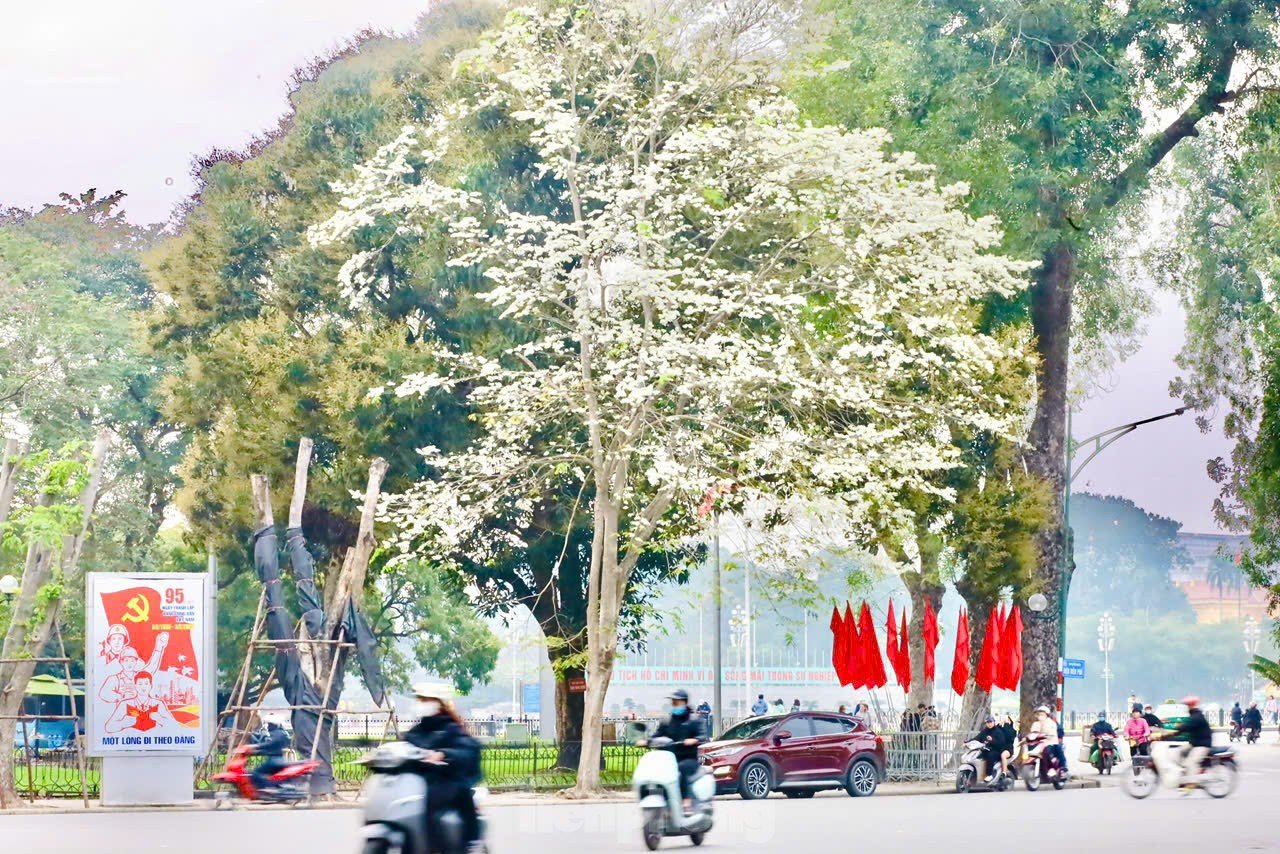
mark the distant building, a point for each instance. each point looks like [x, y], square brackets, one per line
[1215, 592]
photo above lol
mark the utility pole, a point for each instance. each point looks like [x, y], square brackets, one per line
[1099, 442]
[717, 677]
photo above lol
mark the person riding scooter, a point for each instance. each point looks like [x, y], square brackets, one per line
[1199, 734]
[995, 743]
[685, 732]
[273, 748]
[1045, 727]
[1252, 719]
[452, 767]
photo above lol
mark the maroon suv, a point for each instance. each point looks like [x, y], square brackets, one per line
[798, 755]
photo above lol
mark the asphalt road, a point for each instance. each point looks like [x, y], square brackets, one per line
[1045, 821]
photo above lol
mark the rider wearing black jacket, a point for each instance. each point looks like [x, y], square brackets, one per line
[1253, 717]
[276, 743]
[453, 765]
[995, 741]
[685, 732]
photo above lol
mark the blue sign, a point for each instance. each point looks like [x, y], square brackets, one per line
[531, 703]
[1073, 668]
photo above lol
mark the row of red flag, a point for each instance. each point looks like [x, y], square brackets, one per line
[856, 657]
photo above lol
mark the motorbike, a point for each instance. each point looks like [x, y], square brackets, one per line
[1251, 734]
[970, 777]
[656, 782]
[1164, 768]
[1104, 753]
[1037, 764]
[289, 783]
[395, 798]
[1236, 731]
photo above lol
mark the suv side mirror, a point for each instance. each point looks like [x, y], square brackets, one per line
[782, 735]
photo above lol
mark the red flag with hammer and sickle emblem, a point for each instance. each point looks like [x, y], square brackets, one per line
[141, 612]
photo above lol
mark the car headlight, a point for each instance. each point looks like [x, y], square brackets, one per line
[722, 752]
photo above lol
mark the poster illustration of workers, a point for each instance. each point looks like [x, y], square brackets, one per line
[145, 663]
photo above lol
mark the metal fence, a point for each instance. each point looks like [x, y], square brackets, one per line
[923, 757]
[531, 766]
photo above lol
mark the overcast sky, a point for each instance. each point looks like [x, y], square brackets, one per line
[123, 94]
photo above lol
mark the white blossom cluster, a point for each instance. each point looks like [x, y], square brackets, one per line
[723, 293]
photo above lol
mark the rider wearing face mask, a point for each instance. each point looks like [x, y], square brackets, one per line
[453, 758]
[685, 731]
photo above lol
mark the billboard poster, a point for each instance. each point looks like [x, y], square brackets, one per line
[146, 673]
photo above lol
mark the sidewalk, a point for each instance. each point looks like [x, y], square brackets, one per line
[58, 806]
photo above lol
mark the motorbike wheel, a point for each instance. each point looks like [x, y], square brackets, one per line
[1059, 784]
[1142, 783]
[652, 831]
[964, 780]
[696, 838]
[1030, 777]
[1107, 761]
[1221, 780]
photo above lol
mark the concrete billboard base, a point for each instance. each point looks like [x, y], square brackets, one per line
[134, 781]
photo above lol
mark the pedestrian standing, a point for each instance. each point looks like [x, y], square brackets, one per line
[1273, 709]
[759, 707]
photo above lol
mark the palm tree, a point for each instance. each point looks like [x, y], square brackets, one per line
[1266, 668]
[1225, 575]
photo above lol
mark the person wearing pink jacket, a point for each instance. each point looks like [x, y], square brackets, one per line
[1138, 731]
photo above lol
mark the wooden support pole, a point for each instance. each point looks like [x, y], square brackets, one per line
[300, 482]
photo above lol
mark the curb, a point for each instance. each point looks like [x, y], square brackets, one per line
[493, 802]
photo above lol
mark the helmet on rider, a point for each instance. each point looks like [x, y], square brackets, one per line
[1191, 701]
[1102, 716]
[679, 702]
[1042, 710]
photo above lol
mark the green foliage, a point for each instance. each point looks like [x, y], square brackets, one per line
[424, 610]
[1266, 668]
[1124, 558]
[1159, 656]
[991, 535]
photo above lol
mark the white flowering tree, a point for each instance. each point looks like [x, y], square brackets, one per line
[717, 293]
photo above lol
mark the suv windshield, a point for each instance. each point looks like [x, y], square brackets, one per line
[753, 728]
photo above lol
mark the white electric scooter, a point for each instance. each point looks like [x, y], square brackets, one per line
[656, 782]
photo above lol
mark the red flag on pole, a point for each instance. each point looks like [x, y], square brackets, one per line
[839, 660]
[960, 665]
[988, 675]
[853, 650]
[1004, 667]
[1013, 647]
[876, 677]
[904, 654]
[930, 641]
[891, 642]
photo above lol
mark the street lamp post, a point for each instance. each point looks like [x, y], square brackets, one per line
[1252, 636]
[1096, 444]
[1106, 643]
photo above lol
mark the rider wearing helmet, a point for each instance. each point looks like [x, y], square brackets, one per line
[685, 732]
[452, 766]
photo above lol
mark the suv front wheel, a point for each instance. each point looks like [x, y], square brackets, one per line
[861, 779]
[755, 781]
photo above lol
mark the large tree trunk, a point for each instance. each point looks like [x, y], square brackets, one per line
[32, 621]
[1046, 458]
[922, 589]
[570, 706]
